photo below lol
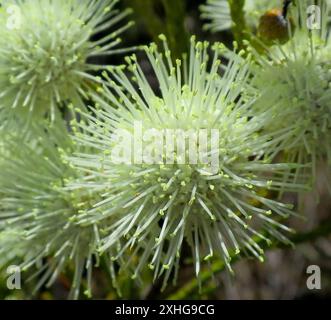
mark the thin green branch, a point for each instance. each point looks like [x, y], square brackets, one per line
[239, 27]
[175, 24]
[240, 30]
[172, 24]
[145, 12]
[193, 285]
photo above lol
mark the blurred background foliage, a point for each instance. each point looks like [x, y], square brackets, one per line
[283, 275]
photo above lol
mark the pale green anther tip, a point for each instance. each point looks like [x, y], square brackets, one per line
[261, 258]
[129, 10]
[151, 267]
[237, 251]
[166, 267]
[208, 257]
[198, 48]
[88, 293]
[269, 212]
[134, 276]
[162, 37]
[128, 59]
[108, 8]
[120, 67]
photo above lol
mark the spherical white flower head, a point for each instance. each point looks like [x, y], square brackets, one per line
[295, 84]
[46, 52]
[219, 15]
[162, 193]
[38, 215]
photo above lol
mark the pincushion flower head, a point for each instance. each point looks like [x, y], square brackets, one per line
[181, 167]
[47, 52]
[219, 14]
[295, 85]
[39, 229]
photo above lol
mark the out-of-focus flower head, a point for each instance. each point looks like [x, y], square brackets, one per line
[39, 225]
[47, 50]
[294, 81]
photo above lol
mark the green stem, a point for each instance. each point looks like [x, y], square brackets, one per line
[145, 12]
[239, 27]
[175, 25]
[172, 25]
[323, 230]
